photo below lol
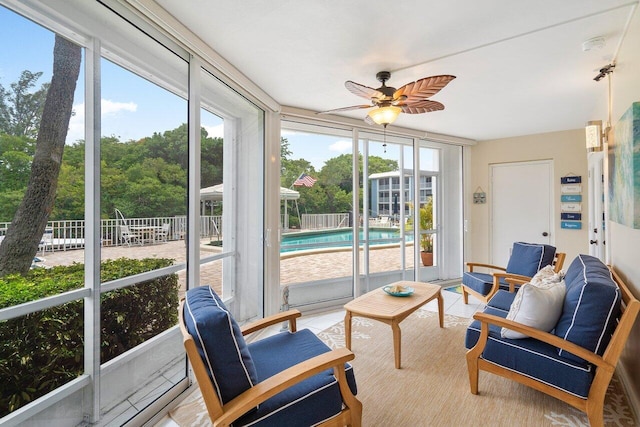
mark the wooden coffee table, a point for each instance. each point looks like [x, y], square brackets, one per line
[378, 305]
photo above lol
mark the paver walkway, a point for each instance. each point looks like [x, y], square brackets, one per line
[300, 268]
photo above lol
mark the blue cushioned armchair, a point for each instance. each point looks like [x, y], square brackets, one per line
[291, 378]
[576, 359]
[525, 261]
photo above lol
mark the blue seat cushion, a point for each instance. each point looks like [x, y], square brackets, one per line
[527, 258]
[480, 282]
[532, 358]
[220, 343]
[591, 306]
[502, 300]
[309, 402]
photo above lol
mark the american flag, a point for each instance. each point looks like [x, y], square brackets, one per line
[304, 180]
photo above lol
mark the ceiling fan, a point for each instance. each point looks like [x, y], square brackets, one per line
[411, 98]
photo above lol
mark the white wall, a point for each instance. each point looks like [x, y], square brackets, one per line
[566, 149]
[623, 242]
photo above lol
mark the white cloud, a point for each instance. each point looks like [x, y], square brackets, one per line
[76, 124]
[215, 131]
[341, 146]
[111, 107]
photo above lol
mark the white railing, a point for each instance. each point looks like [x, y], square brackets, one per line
[69, 234]
[322, 221]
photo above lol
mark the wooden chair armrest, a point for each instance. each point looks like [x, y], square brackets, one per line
[546, 337]
[289, 315]
[520, 278]
[268, 388]
[517, 280]
[472, 265]
[513, 281]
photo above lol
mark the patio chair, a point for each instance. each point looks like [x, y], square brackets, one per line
[525, 261]
[47, 241]
[163, 233]
[127, 237]
[291, 378]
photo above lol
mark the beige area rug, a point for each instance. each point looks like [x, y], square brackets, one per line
[432, 387]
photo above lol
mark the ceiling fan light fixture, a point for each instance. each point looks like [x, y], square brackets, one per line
[385, 115]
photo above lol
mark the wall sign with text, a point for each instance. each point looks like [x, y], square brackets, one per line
[571, 202]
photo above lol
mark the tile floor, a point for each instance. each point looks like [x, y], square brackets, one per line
[320, 321]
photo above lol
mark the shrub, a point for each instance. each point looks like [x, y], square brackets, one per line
[294, 222]
[44, 350]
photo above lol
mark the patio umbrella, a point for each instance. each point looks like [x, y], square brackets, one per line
[215, 192]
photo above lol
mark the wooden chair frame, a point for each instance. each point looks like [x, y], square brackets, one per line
[605, 365]
[558, 262]
[224, 415]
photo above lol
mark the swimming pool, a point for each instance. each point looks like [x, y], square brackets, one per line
[336, 238]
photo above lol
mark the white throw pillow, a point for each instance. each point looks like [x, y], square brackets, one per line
[547, 275]
[538, 306]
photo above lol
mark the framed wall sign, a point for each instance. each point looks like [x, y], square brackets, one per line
[571, 207]
[571, 216]
[571, 202]
[570, 198]
[571, 188]
[479, 196]
[571, 179]
[571, 225]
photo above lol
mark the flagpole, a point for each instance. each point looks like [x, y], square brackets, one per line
[294, 181]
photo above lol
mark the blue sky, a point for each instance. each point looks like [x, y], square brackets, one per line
[132, 107]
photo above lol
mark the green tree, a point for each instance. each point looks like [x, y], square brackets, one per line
[211, 159]
[291, 169]
[338, 170]
[20, 107]
[15, 161]
[23, 236]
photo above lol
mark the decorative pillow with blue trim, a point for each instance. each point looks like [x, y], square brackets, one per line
[220, 343]
[527, 258]
[537, 304]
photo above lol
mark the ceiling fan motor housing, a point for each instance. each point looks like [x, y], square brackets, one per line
[387, 91]
[383, 76]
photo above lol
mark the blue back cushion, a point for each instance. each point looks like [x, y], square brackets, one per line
[220, 343]
[527, 258]
[591, 306]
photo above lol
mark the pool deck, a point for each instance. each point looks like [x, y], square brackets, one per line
[294, 267]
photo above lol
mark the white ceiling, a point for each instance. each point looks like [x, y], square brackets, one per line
[520, 66]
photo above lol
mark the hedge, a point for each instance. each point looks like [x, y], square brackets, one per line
[44, 350]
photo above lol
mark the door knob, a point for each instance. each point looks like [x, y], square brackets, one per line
[593, 242]
[545, 234]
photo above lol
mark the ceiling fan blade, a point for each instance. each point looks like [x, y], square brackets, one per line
[421, 106]
[423, 88]
[362, 90]
[353, 107]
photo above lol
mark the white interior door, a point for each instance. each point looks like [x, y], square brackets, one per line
[521, 203]
[596, 205]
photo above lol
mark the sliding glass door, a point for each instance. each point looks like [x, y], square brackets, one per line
[392, 209]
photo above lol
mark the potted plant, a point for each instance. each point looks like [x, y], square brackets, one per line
[426, 239]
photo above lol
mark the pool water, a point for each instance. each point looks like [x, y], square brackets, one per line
[336, 238]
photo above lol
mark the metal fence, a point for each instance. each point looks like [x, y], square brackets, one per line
[323, 221]
[69, 234]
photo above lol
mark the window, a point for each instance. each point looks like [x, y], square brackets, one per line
[133, 241]
[143, 176]
[41, 348]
